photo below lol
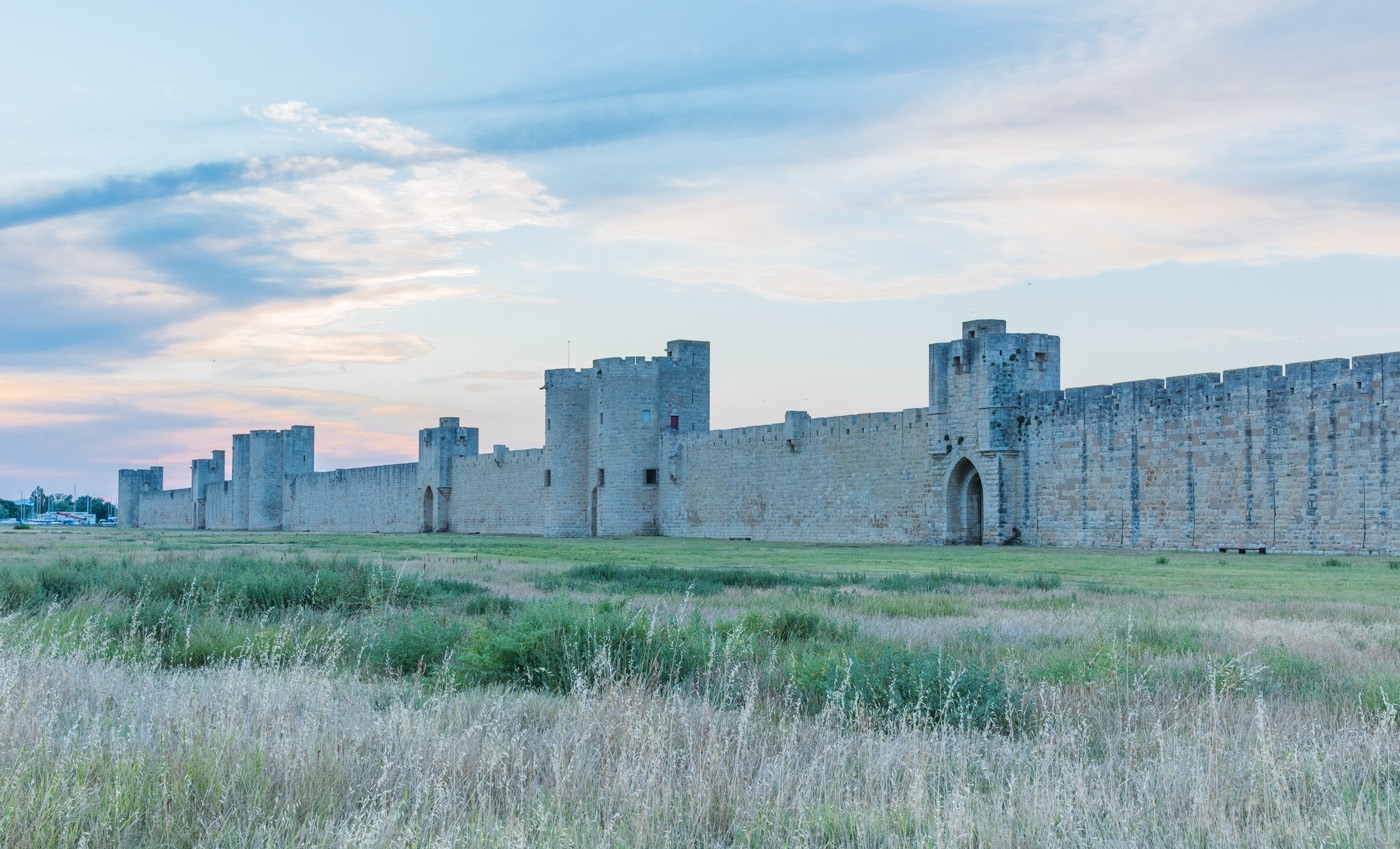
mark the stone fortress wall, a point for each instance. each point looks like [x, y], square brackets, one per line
[1287, 459]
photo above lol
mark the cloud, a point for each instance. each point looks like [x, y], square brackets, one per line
[267, 259]
[1148, 132]
[78, 428]
[370, 133]
[301, 332]
[120, 191]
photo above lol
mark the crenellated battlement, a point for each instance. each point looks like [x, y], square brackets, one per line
[1359, 378]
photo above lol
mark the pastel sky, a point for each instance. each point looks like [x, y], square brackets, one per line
[218, 217]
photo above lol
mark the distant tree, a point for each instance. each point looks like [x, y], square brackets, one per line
[8, 509]
[101, 508]
[61, 502]
[41, 500]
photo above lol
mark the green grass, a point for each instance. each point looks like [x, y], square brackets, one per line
[664, 580]
[912, 606]
[794, 656]
[181, 610]
[193, 612]
[242, 583]
[1194, 574]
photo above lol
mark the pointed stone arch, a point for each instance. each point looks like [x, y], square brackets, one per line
[427, 524]
[965, 504]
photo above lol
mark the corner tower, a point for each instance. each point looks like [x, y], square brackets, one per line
[131, 484]
[976, 387]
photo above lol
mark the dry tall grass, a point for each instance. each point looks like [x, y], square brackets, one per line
[102, 754]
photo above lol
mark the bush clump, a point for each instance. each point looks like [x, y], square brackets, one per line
[790, 656]
[941, 580]
[673, 580]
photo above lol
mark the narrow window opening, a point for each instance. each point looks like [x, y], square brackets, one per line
[601, 477]
[600, 418]
[546, 424]
[957, 365]
[972, 334]
[1040, 357]
[646, 416]
[675, 422]
[649, 477]
[548, 477]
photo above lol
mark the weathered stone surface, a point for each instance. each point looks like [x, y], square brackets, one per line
[1288, 459]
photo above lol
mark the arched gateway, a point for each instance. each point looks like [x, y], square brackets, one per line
[426, 526]
[964, 504]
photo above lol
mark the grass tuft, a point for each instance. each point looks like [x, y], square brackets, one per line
[1039, 581]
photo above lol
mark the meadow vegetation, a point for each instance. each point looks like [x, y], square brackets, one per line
[192, 689]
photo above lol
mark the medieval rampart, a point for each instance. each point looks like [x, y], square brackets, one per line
[1295, 459]
[505, 493]
[167, 508]
[861, 478]
[372, 498]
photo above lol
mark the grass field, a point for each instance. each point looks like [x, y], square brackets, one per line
[198, 689]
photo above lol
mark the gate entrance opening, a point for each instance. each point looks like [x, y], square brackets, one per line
[965, 504]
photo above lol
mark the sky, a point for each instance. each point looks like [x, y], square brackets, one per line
[221, 217]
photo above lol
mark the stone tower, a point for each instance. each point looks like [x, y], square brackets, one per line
[975, 393]
[262, 460]
[437, 448]
[202, 474]
[603, 428]
[131, 483]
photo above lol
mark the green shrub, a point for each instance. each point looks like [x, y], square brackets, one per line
[895, 683]
[251, 585]
[788, 626]
[910, 606]
[559, 645]
[194, 612]
[1039, 581]
[1292, 674]
[417, 643]
[672, 580]
[933, 581]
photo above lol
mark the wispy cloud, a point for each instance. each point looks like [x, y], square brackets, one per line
[266, 259]
[1156, 132]
[120, 191]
